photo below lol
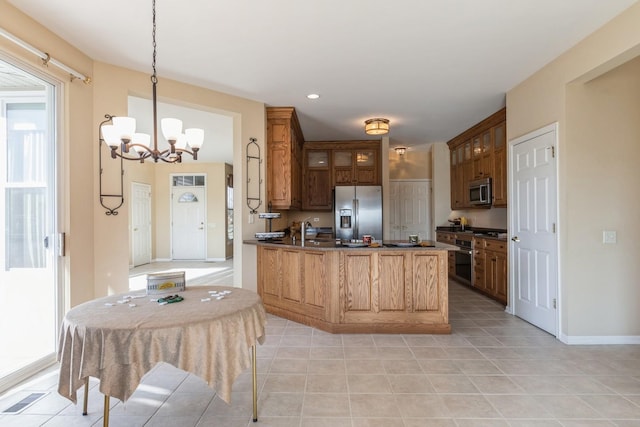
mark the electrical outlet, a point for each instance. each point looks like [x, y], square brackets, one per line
[609, 236]
[316, 219]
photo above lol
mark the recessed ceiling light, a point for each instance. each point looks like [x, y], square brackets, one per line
[313, 96]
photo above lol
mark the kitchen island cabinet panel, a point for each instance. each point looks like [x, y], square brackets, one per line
[291, 281]
[425, 283]
[392, 273]
[356, 290]
[357, 282]
[270, 272]
[315, 277]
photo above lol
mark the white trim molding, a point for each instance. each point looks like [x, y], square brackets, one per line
[599, 340]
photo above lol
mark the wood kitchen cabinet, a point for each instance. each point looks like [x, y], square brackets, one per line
[284, 158]
[294, 280]
[499, 166]
[345, 290]
[356, 166]
[482, 151]
[490, 268]
[331, 163]
[316, 191]
[450, 239]
[392, 287]
[479, 152]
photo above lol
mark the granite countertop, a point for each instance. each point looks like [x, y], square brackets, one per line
[331, 244]
[484, 233]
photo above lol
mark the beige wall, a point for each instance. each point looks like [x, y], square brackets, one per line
[112, 86]
[595, 149]
[98, 245]
[414, 164]
[603, 120]
[441, 194]
[76, 145]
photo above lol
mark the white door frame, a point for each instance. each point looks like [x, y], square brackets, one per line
[55, 100]
[510, 214]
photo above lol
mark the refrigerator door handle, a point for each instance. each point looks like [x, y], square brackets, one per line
[356, 217]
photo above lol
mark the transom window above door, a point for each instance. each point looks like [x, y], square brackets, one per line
[188, 181]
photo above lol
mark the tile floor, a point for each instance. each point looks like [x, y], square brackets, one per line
[493, 370]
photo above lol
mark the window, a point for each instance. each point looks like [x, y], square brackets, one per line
[188, 181]
[25, 183]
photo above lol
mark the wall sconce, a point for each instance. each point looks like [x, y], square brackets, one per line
[376, 126]
[401, 150]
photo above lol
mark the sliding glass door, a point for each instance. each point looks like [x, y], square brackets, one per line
[28, 219]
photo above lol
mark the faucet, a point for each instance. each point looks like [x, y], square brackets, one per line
[303, 229]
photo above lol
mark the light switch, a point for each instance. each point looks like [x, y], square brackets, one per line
[609, 236]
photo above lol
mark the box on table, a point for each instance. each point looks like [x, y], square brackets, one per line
[160, 283]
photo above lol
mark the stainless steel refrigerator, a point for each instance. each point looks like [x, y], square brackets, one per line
[358, 211]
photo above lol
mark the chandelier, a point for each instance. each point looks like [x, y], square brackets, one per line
[121, 133]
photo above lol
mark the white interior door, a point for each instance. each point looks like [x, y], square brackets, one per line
[140, 223]
[533, 218]
[395, 225]
[188, 223]
[410, 211]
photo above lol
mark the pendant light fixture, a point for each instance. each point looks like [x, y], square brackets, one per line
[377, 126]
[124, 142]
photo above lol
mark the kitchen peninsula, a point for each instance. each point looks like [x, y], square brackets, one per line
[339, 289]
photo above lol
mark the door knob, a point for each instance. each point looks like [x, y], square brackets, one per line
[515, 238]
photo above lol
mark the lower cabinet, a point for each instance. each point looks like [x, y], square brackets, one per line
[490, 268]
[354, 291]
[294, 280]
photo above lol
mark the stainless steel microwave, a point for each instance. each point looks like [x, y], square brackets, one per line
[480, 192]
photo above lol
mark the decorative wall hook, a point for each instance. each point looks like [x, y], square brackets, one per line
[105, 196]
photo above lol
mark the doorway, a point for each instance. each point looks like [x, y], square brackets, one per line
[188, 217]
[410, 210]
[30, 243]
[140, 223]
[533, 224]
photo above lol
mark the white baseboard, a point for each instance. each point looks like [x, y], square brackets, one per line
[600, 340]
[161, 260]
[216, 259]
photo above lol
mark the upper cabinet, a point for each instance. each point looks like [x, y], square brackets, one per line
[316, 190]
[356, 165]
[284, 158]
[334, 163]
[480, 152]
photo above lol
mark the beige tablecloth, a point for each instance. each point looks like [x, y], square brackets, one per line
[118, 344]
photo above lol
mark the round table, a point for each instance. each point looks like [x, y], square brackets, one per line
[119, 338]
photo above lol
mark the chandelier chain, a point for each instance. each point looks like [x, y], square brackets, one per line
[154, 77]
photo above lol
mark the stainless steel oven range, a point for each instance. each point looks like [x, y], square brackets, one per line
[464, 258]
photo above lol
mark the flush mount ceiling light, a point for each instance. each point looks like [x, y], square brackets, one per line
[377, 126]
[313, 96]
[121, 133]
[401, 150]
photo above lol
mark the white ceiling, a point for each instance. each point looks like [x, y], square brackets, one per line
[433, 67]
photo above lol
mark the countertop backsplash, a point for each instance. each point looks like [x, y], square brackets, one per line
[484, 218]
